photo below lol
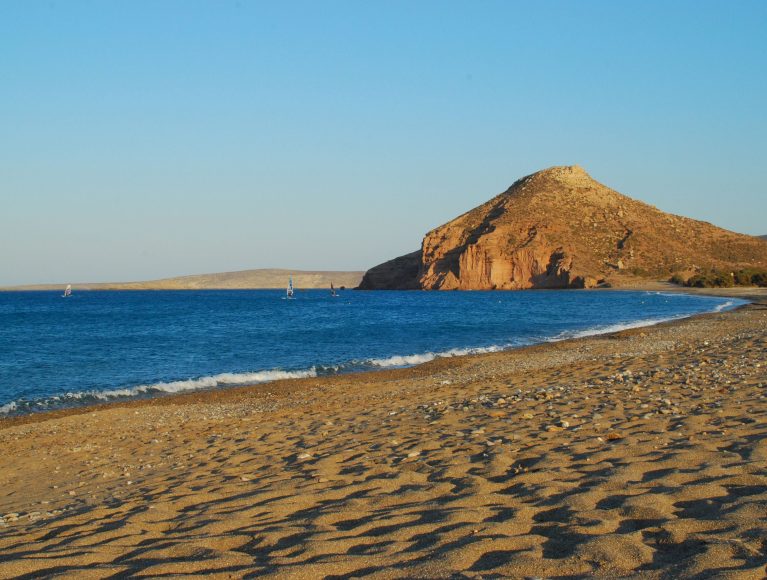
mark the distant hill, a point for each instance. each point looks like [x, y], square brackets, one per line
[763, 237]
[559, 228]
[267, 278]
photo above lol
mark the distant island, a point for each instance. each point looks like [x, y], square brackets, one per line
[560, 228]
[245, 279]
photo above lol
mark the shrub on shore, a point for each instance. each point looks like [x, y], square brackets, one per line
[715, 279]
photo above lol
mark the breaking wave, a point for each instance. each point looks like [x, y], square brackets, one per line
[597, 330]
[416, 359]
[607, 329]
[197, 384]
[94, 396]
[725, 306]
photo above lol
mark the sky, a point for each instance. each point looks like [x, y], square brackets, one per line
[141, 140]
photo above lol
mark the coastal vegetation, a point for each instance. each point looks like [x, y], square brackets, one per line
[718, 279]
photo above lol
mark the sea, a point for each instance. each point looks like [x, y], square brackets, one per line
[98, 346]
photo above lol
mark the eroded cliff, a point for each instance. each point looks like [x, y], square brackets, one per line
[559, 228]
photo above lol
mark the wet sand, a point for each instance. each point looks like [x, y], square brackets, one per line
[641, 454]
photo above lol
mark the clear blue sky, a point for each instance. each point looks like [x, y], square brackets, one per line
[149, 139]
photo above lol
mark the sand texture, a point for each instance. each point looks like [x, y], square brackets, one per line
[642, 454]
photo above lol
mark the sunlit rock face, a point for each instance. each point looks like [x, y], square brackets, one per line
[559, 228]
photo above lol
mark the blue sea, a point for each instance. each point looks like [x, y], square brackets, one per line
[102, 346]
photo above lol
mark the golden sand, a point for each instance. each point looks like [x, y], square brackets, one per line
[639, 454]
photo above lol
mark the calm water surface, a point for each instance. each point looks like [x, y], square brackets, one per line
[58, 352]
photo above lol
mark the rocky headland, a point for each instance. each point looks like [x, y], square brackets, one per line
[560, 228]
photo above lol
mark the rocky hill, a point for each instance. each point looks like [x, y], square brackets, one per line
[265, 278]
[559, 228]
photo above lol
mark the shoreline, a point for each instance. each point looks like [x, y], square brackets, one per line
[743, 293]
[642, 452]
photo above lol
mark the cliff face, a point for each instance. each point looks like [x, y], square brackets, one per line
[398, 274]
[559, 228]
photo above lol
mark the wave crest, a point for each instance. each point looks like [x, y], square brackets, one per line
[415, 359]
[727, 305]
[223, 379]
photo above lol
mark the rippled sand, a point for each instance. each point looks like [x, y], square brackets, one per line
[641, 454]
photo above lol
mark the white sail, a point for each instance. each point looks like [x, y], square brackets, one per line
[68, 290]
[290, 287]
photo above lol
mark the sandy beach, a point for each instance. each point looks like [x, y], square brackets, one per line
[641, 454]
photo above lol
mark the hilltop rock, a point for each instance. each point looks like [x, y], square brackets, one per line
[559, 228]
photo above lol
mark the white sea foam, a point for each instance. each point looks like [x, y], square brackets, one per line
[415, 359]
[197, 384]
[595, 331]
[721, 307]
[403, 360]
[210, 382]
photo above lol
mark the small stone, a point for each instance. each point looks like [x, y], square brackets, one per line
[304, 455]
[527, 416]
